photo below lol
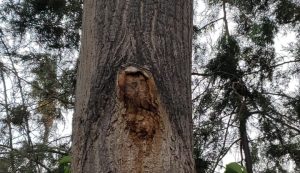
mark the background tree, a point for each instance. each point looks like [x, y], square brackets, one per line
[243, 92]
[38, 45]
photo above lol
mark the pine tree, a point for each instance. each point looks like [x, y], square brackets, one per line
[243, 87]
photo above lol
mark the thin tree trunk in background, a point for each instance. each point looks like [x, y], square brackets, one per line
[243, 116]
[8, 119]
[225, 18]
[246, 148]
[27, 129]
[15, 72]
[133, 96]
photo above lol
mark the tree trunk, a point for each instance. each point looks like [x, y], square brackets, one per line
[9, 124]
[133, 97]
[244, 114]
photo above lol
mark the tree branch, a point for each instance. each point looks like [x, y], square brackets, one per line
[206, 25]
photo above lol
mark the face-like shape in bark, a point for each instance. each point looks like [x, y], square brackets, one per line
[136, 92]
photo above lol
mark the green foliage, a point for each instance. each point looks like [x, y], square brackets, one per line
[259, 57]
[64, 164]
[224, 65]
[201, 165]
[55, 23]
[42, 5]
[287, 12]
[246, 6]
[65, 160]
[277, 151]
[295, 103]
[247, 55]
[67, 83]
[235, 168]
[45, 89]
[38, 44]
[19, 114]
[263, 33]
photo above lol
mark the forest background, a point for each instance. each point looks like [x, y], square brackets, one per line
[246, 83]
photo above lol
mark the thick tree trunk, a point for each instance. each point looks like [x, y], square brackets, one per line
[133, 98]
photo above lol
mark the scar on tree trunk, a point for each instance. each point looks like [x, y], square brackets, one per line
[138, 94]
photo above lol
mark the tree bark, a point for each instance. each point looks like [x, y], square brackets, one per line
[133, 96]
[243, 117]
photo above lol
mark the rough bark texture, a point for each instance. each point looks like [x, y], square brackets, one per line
[133, 98]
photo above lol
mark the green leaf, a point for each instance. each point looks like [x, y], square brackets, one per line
[67, 170]
[65, 160]
[235, 168]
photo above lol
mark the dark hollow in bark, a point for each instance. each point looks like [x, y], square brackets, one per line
[133, 97]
